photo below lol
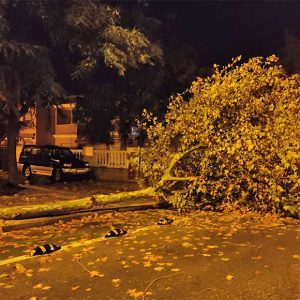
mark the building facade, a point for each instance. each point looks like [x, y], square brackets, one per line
[54, 125]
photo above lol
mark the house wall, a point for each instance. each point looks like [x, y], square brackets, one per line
[65, 134]
[45, 126]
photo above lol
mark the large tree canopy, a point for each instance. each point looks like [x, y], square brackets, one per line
[26, 74]
[148, 86]
[244, 122]
[90, 36]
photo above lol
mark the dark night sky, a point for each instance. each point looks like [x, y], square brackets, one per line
[225, 29]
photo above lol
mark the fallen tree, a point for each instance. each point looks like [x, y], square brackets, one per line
[246, 117]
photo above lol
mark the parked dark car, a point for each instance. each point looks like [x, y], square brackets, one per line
[53, 161]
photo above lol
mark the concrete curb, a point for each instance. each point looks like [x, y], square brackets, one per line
[12, 225]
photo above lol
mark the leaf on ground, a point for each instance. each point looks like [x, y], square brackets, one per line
[20, 268]
[75, 288]
[33, 298]
[187, 245]
[206, 254]
[29, 273]
[134, 293]
[116, 282]
[46, 288]
[175, 270]
[77, 256]
[147, 264]
[38, 286]
[102, 259]
[296, 256]
[3, 275]
[88, 289]
[225, 258]
[58, 259]
[256, 257]
[96, 274]
[212, 246]
[43, 269]
[10, 286]
[280, 248]
[158, 268]
[229, 277]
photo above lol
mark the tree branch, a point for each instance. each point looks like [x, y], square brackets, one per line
[173, 178]
[176, 158]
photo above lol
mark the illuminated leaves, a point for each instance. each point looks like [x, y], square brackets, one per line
[229, 277]
[246, 118]
[175, 270]
[187, 245]
[43, 269]
[256, 257]
[116, 282]
[38, 286]
[225, 258]
[134, 293]
[96, 274]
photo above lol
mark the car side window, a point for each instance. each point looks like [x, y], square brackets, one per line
[35, 151]
[26, 151]
[55, 153]
[44, 154]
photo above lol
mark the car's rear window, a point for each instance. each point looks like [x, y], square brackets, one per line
[26, 151]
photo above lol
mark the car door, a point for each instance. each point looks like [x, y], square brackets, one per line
[33, 160]
[43, 162]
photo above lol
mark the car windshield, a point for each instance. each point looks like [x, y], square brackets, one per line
[66, 153]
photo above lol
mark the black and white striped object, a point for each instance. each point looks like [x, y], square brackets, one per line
[115, 232]
[164, 221]
[44, 249]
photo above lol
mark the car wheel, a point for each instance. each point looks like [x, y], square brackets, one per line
[57, 175]
[27, 172]
[90, 176]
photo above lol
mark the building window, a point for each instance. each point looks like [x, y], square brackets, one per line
[63, 116]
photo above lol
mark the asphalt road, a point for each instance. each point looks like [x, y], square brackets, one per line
[202, 255]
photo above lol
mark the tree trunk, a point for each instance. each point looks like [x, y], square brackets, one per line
[13, 100]
[12, 133]
[62, 207]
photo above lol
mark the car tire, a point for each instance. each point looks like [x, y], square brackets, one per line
[27, 172]
[57, 175]
[90, 176]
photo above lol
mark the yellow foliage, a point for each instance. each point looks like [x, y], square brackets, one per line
[246, 118]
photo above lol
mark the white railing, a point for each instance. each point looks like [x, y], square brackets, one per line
[110, 159]
[78, 153]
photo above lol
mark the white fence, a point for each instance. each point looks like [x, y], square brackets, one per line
[105, 158]
[111, 159]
